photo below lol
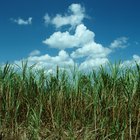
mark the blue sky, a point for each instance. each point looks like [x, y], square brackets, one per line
[86, 32]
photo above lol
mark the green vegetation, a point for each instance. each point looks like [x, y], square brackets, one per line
[100, 105]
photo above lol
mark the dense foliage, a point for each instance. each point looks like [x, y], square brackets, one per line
[100, 105]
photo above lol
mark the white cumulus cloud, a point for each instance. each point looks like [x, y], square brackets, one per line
[135, 59]
[75, 15]
[21, 21]
[47, 19]
[34, 53]
[119, 43]
[92, 49]
[64, 40]
[82, 41]
[50, 62]
[93, 63]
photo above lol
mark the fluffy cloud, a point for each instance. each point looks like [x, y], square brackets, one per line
[49, 62]
[64, 40]
[77, 14]
[21, 21]
[93, 63]
[82, 41]
[34, 52]
[135, 59]
[119, 43]
[91, 49]
[47, 19]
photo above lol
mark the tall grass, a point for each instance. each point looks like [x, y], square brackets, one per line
[100, 105]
